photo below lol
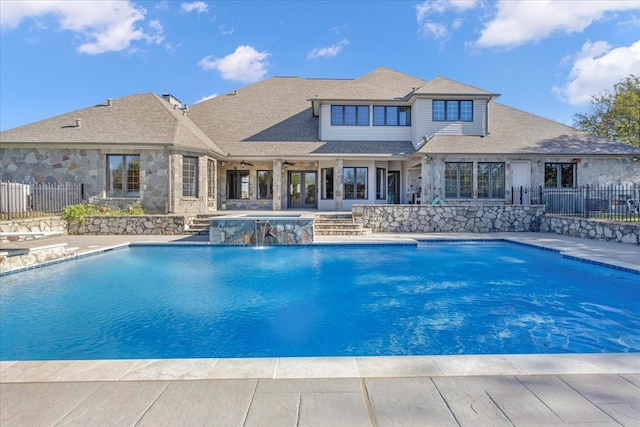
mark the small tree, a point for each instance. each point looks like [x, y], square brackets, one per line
[615, 115]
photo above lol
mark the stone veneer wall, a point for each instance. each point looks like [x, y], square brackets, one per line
[33, 256]
[129, 225]
[589, 229]
[239, 231]
[449, 218]
[34, 228]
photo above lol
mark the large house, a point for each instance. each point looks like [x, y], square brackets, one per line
[302, 143]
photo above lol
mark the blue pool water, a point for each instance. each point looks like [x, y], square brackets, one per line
[198, 301]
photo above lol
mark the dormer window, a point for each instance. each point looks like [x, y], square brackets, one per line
[452, 111]
[349, 115]
[391, 115]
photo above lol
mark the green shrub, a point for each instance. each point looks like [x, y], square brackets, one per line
[78, 212]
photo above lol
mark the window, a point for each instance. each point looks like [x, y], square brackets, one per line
[350, 115]
[381, 183]
[265, 184]
[211, 179]
[560, 175]
[355, 183]
[452, 111]
[189, 176]
[123, 175]
[391, 116]
[490, 180]
[327, 183]
[237, 184]
[458, 180]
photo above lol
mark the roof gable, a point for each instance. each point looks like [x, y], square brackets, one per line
[443, 86]
[381, 84]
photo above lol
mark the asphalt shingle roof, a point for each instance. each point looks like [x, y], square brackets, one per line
[274, 118]
[513, 131]
[139, 119]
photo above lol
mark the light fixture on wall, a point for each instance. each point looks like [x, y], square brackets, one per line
[539, 162]
[243, 164]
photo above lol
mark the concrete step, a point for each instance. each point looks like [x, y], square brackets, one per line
[342, 232]
[338, 225]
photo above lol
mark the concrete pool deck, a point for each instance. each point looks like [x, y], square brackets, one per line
[491, 390]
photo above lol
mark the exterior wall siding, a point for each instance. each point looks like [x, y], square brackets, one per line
[360, 133]
[426, 126]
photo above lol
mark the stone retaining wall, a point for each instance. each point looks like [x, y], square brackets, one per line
[449, 218]
[32, 228]
[129, 225]
[590, 229]
[29, 257]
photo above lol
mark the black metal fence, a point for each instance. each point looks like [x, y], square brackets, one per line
[615, 202]
[32, 200]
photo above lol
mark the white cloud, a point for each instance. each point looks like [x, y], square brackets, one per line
[329, 51]
[196, 6]
[245, 64]
[439, 6]
[598, 67]
[206, 98]
[520, 22]
[439, 28]
[104, 26]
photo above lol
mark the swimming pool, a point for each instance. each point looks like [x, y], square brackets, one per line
[335, 300]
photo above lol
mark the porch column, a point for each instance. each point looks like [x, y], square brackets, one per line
[425, 165]
[338, 185]
[277, 185]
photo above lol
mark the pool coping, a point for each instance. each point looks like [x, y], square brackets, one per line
[345, 367]
[317, 367]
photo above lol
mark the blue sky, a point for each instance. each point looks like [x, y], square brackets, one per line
[544, 57]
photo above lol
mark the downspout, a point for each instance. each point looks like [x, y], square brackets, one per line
[170, 186]
[486, 119]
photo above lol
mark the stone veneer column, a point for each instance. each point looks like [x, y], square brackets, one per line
[277, 185]
[338, 185]
[425, 163]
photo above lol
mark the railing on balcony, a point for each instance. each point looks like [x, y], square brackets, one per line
[33, 200]
[615, 202]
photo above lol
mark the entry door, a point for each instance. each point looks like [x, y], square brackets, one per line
[521, 183]
[302, 190]
[393, 187]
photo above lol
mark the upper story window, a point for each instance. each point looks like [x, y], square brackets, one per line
[350, 115]
[452, 111]
[391, 115]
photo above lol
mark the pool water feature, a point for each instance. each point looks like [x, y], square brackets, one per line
[261, 230]
[320, 300]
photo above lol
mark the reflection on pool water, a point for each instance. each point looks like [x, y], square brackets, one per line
[435, 298]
